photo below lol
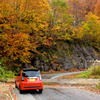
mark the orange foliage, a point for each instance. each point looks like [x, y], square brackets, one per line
[77, 9]
[89, 5]
[80, 8]
[21, 22]
[16, 46]
[50, 38]
[47, 42]
[97, 8]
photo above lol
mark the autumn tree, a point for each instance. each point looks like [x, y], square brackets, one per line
[59, 20]
[89, 32]
[15, 46]
[22, 27]
[24, 16]
[89, 5]
[80, 8]
[76, 8]
[27, 27]
[97, 8]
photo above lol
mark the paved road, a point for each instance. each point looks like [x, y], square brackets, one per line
[57, 93]
[53, 76]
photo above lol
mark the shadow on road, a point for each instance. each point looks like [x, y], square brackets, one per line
[30, 92]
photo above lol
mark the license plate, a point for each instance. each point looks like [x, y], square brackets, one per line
[32, 80]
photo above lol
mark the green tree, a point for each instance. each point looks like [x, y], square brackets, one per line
[90, 30]
[60, 22]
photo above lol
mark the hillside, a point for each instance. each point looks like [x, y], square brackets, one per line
[62, 34]
[66, 56]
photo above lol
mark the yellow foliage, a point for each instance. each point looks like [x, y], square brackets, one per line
[16, 46]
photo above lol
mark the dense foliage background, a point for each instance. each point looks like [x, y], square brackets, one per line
[31, 27]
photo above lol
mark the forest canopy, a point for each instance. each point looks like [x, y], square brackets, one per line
[26, 26]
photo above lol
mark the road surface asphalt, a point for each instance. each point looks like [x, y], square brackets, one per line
[57, 93]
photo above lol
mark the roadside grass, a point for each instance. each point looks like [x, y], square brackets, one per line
[88, 75]
[98, 86]
[5, 75]
[92, 72]
[51, 83]
[73, 76]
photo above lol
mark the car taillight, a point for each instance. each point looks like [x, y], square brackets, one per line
[22, 78]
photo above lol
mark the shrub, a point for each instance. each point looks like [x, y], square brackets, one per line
[92, 72]
[6, 74]
[84, 74]
[98, 86]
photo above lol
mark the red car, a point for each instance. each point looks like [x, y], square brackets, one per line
[29, 79]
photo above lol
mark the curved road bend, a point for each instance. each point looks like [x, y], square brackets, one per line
[53, 76]
[57, 93]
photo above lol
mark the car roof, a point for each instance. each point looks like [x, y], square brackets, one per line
[30, 70]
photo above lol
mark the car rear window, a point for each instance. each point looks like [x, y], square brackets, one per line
[31, 73]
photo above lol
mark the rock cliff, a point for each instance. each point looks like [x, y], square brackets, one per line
[67, 56]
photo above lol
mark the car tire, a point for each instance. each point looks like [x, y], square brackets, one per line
[40, 90]
[20, 90]
[15, 85]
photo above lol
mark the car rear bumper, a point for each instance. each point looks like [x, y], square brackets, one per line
[31, 86]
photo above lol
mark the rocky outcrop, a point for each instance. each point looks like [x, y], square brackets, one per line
[68, 57]
[41, 64]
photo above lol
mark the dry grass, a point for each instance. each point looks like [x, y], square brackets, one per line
[4, 92]
[95, 76]
[51, 83]
[73, 76]
[92, 72]
[80, 75]
[98, 86]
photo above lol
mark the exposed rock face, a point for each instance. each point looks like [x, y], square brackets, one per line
[68, 57]
[41, 64]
